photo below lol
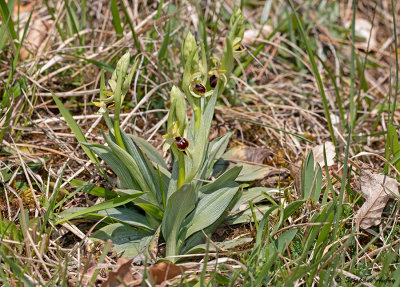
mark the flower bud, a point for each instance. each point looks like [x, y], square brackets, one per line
[189, 47]
[178, 110]
[236, 27]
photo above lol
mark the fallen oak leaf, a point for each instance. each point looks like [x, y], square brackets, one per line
[376, 190]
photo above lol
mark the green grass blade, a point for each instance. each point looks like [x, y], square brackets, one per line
[316, 73]
[134, 35]
[74, 127]
[116, 18]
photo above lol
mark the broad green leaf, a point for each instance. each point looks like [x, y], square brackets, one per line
[130, 216]
[105, 153]
[125, 239]
[226, 177]
[127, 215]
[101, 206]
[152, 210]
[128, 162]
[145, 167]
[93, 189]
[210, 208]
[252, 172]
[214, 151]
[150, 151]
[174, 180]
[179, 205]
[199, 237]
[200, 140]
[74, 127]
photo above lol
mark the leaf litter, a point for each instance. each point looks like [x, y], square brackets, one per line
[377, 190]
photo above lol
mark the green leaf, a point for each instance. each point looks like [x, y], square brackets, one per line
[126, 160]
[145, 167]
[210, 208]
[125, 239]
[307, 175]
[150, 151]
[194, 163]
[129, 216]
[292, 208]
[252, 172]
[255, 194]
[228, 176]
[151, 210]
[283, 241]
[246, 215]
[101, 206]
[214, 151]
[179, 205]
[105, 153]
[393, 139]
[227, 58]
[93, 189]
[74, 127]
[116, 18]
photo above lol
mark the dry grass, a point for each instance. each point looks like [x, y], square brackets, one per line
[277, 88]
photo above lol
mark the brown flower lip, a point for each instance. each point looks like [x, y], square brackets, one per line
[181, 143]
[213, 81]
[199, 88]
[239, 48]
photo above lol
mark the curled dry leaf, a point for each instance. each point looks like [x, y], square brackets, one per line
[164, 271]
[122, 276]
[318, 152]
[375, 188]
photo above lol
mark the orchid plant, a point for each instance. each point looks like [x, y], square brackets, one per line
[182, 203]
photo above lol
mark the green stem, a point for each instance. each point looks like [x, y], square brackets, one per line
[197, 118]
[117, 131]
[181, 169]
[118, 103]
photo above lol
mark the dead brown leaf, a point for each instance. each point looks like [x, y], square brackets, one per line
[35, 38]
[122, 276]
[375, 188]
[164, 271]
[247, 154]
